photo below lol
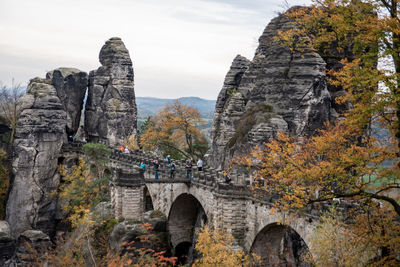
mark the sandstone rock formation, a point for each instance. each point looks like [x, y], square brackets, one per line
[279, 90]
[110, 113]
[71, 85]
[40, 133]
[7, 243]
[28, 240]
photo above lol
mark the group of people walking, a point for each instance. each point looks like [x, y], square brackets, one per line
[172, 167]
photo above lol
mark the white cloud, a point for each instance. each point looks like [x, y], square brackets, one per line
[179, 47]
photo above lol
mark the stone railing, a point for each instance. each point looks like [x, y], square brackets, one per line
[133, 160]
[127, 172]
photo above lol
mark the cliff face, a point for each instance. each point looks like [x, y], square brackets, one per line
[51, 110]
[40, 133]
[71, 85]
[279, 90]
[110, 114]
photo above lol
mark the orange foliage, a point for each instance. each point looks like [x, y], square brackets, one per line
[175, 127]
[335, 163]
[140, 256]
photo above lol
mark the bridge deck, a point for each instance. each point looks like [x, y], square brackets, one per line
[128, 173]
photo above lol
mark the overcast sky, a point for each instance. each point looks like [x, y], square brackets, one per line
[178, 47]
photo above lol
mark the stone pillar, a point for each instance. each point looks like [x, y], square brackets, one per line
[128, 201]
[232, 217]
[133, 203]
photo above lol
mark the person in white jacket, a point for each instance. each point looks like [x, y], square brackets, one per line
[199, 165]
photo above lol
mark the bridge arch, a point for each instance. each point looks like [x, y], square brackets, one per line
[280, 245]
[185, 217]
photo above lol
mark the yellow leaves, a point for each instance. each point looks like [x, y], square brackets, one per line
[79, 191]
[131, 143]
[335, 160]
[173, 127]
[336, 243]
[272, 211]
[215, 247]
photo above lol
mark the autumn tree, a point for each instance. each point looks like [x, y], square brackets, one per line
[336, 242]
[10, 105]
[174, 131]
[334, 164]
[140, 252]
[215, 248]
[366, 35]
[85, 185]
[348, 160]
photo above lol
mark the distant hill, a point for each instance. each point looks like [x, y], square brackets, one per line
[148, 106]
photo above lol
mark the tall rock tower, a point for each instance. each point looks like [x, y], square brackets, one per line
[40, 133]
[51, 110]
[279, 90]
[110, 113]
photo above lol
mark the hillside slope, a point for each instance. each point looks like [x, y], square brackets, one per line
[148, 106]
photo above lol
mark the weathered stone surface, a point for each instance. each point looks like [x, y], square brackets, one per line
[40, 133]
[31, 240]
[230, 207]
[279, 90]
[129, 230]
[110, 113]
[5, 231]
[7, 243]
[71, 85]
[117, 235]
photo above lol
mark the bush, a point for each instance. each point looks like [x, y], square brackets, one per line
[247, 122]
[156, 214]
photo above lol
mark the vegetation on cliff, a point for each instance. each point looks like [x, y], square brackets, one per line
[345, 161]
[10, 106]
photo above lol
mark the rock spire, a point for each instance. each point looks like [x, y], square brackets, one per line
[110, 114]
[279, 90]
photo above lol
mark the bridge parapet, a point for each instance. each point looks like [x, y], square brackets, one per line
[134, 158]
[129, 181]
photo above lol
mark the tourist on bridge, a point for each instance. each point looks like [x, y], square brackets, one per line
[143, 166]
[168, 159]
[189, 164]
[227, 178]
[156, 166]
[200, 165]
[172, 170]
[142, 169]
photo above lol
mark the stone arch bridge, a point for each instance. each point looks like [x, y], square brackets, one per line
[207, 199]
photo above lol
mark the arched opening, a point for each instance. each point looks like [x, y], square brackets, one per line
[148, 203]
[280, 245]
[185, 218]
